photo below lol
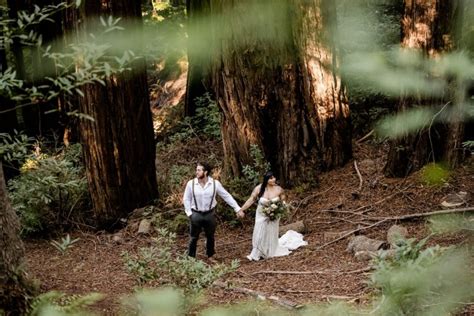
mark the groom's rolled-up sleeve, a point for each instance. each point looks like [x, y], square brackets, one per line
[226, 196]
[187, 198]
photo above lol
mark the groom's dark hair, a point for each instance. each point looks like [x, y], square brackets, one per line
[266, 177]
[206, 167]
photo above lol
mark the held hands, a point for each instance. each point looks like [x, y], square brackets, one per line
[240, 214]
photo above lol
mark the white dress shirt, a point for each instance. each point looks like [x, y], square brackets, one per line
[205, 197]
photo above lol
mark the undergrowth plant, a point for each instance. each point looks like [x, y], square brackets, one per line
[49, 191]
[422, 281]
[57, 303]
[14, 148]
[65, 244]
[205, 124]
[158, 263]
[252, 174]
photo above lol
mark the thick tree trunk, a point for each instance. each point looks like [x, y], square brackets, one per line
[324, 95]
[429, 26]
[118, 145]
[15, 290]
[198, 66]
[281, 94]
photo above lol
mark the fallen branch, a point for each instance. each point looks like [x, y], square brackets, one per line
[359, 175]
[297, 291]
[293, 272]
[349, 299]
[399, 218]
[366, 136]
[440, 212]
[259, 295]
[368, 207]
[313, 271]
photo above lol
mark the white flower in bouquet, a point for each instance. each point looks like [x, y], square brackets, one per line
[275, 210]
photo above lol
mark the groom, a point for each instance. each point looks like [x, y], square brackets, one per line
[199, 203]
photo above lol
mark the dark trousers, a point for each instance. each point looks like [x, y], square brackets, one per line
[198, 222]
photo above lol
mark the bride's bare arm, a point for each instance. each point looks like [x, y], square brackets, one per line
[282, 194]
[251, 199]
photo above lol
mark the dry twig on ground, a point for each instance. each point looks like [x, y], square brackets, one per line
[361, 181]
[259, 295]
[313, 271]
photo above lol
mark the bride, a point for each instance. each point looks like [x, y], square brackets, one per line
[265, 233]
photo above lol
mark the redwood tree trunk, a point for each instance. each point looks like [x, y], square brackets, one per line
[198, 66]
[430, 27]
[15, 289]
[323, 92]
[118, 146]
[279, 94]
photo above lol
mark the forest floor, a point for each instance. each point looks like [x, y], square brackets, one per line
[95, 264]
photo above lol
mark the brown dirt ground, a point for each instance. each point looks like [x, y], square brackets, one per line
[94, 263]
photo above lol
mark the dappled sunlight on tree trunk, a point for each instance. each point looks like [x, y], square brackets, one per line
[324, 95]
[280, 91]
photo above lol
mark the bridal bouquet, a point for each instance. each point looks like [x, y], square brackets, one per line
[275, 210]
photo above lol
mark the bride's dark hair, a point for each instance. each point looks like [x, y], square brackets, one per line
[266, 177]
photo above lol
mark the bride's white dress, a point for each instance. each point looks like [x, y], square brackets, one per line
[265, 235]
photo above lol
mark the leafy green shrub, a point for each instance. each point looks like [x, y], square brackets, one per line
[253, 173]
[451, 223]
[243, 186]
[56, 303]
[49, 192]
[205, 123]
[158, 263]
[179, 224]
[422, 282]
[14, 148]
[208, 118]
[178, 176]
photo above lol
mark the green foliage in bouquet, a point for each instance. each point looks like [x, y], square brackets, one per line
[275, 209]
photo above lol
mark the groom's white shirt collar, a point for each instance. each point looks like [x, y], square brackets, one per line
[209, 181]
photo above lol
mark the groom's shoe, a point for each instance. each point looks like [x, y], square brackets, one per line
[213, 260]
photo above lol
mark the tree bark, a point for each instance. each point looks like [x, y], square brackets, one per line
[430, 26]
[118, 145]
[280, 92]
[15, 290]
[323, 91]
[198, 75]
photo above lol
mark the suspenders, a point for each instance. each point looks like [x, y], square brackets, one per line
[212, 198]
